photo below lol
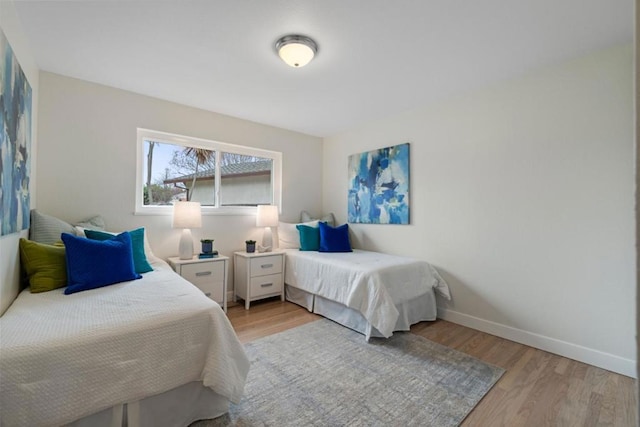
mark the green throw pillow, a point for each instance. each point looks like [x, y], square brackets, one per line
[137, 244]
[45, 265]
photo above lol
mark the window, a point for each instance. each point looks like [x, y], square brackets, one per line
[224, 178]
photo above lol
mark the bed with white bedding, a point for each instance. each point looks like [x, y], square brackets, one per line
[370, 292]
[156, 345]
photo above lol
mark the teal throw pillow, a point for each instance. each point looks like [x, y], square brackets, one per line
[137, 245]
[309, 237]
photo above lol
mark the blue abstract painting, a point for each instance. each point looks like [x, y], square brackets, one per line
[15, 142]
[379, 186]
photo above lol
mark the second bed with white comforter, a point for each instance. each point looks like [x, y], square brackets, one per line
[389, 292]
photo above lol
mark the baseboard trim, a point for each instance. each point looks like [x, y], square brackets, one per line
[587, 355]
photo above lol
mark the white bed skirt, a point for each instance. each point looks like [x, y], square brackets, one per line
[177, 407]
[298, 296]
[417, 310]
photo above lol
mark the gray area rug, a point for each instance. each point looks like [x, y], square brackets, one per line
[322, 374]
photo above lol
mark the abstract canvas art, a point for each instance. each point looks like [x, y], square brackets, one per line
[15, 142]
[379, 186]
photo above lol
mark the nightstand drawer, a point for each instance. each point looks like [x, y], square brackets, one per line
[266, 265]
[209, 275]
[214, 290]
[265, 285]
[202, 274]
[258, 275]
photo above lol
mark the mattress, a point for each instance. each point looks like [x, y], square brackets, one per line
[63, 357]
[371, 283]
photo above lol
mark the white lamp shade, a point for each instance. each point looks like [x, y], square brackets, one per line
[267, 216]
[296, 54]
[187, 215]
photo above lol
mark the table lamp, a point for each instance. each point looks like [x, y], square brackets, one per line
[267, 217]
[186, 215]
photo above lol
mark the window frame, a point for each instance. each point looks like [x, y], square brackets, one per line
[219, 148]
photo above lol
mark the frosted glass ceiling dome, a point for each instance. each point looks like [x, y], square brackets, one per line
[295, 50]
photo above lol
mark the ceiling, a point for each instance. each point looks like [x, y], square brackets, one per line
[375, 57]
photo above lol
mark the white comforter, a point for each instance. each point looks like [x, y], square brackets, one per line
[63, 357]
[370, 282]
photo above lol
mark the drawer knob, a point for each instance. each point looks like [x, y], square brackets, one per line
[267, 265]
[266, 285]
[203, 273]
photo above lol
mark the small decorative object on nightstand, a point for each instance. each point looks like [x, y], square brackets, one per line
[258, 275]
[207, 249]
[209, 275]
[207, 246]
[251, 246]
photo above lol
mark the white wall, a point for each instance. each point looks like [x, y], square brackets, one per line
[9, 256]
[87, 160]
[522, 196]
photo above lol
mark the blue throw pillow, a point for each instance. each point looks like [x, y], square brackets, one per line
[309, 237]
[93, 263]
[137, 246]
[334, 239]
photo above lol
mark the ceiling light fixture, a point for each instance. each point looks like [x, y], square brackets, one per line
[297, 51]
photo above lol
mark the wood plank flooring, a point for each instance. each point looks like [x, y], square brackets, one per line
[537, 389]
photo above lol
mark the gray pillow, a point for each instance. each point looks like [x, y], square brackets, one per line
[47, 229]
[328, 218]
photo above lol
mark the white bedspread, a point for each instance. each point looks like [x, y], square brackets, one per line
[370, 282]
[63, 357]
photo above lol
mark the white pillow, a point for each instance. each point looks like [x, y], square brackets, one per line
[79, 231]
[289, 236]
[95, 223]
[147, 247]
[328, 218]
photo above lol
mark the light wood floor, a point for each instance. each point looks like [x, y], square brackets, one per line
[537, 389]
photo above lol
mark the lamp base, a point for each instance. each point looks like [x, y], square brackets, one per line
[185, 248]
[267, 240]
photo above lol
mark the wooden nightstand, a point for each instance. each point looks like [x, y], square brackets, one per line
[258, 275]
[208, 274]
